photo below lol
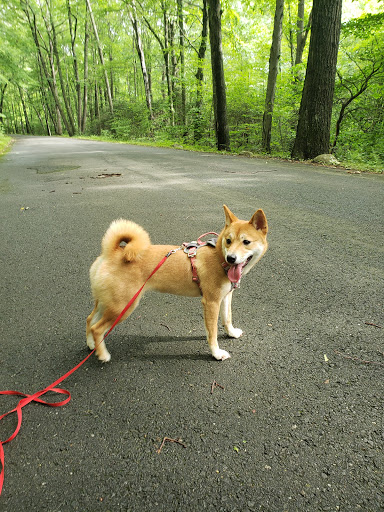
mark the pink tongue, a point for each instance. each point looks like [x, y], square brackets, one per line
[234, 272]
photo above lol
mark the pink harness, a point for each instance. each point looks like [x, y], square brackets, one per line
[190, 249]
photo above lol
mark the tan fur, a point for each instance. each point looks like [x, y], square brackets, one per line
[119, 271]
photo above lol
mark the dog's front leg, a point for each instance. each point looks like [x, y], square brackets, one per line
[226, 317]
[211, 315]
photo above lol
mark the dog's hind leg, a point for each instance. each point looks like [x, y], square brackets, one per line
[105, 320]
[91, 320]
[226, 317]
[98, 330]
[211, 316]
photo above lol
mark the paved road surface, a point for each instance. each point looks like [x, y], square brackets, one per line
[299, 423]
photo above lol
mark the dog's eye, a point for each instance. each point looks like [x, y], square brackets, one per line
[228, 240]
[246, 242]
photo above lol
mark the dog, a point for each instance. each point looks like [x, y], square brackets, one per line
[128, 258]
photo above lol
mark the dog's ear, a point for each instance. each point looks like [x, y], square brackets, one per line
[229, 216]
[259, 221]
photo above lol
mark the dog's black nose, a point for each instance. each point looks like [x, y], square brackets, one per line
[231, 259]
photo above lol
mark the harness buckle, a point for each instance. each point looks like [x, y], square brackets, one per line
[190, 248]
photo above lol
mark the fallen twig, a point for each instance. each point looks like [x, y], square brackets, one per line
[215, 385]
[354, 358]
[374, 325]
[170, 440]
[165, 325]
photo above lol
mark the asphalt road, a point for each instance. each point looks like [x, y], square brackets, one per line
[298, 421]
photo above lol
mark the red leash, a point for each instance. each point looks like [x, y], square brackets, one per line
[52, 387]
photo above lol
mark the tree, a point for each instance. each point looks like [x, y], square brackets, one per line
[314, 124]
[180, 19]
[101, 56]
[218, 81]
[3, 88]
[197, 125]
[164, 43]
[274, 58]
[85, 71]
[140, 52]
[302, 31]
[72, 23]
[47, 67]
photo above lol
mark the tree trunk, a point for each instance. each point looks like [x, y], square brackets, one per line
[49, 78]
[100, 50]
[182, 60]
[28, 128]
[314, 124]
[167, 65]
[302, 32]
[73, 32]
[3, 88]
[51, 31]
[165, 51]
[97, 108]
[197, 128]
[140, 52]
[218, 82]
[85, 88]
[272, 75]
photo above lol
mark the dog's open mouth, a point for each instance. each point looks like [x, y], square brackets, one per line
[235, 271]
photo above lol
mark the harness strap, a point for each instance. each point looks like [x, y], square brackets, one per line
[190, 249]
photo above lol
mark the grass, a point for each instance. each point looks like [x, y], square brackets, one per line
[5, 143]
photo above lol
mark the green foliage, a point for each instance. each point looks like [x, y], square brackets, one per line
[365, 26]
[4, 142]
[246, 30]
[359, 88]
[130, 120]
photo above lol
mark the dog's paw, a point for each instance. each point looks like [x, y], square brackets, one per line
[90, 342]
[221, 355]
[233, 332]
[105, 357]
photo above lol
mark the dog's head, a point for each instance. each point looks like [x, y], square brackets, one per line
[243, 242]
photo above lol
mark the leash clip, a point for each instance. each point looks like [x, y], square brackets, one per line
[172, 252]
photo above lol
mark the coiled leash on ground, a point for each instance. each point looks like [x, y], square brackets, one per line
[52, 387]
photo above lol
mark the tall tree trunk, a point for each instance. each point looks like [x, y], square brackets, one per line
[197, 126]
[274, 59]
[51, 31]
[302, 31]
[180, 17]
[165, 51]
[218, 81]
[167, 64]
[28, 128]
[49, 78]
[32, 103]
[140, 52]
[47, 103]
[314, 125]
[2, 94]
[97, 109]
[100, 50]
[85, 87]
[73, 32]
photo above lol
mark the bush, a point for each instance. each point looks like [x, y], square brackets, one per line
[130, 121]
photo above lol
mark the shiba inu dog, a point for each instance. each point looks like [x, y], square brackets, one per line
[128, 258]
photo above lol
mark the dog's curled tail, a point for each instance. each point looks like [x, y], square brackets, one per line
[126, 238]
